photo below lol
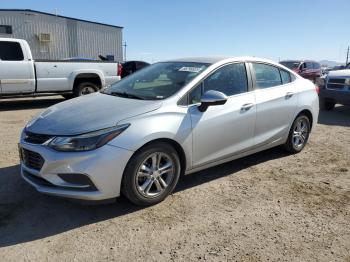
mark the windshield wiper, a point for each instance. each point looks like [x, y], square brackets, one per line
[124, 94]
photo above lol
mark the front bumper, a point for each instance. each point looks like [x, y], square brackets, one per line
[90, 175]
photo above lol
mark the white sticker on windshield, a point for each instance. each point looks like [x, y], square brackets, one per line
[190, 69]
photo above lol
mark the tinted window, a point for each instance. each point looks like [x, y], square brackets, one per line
[229, 79]
[285, 77]
[266, 75]
[308, 65]
[11, 51]
[128, 66]
[317, 66]
[140, 65]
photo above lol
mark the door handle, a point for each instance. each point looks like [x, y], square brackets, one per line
[246, 107]
[289, 94]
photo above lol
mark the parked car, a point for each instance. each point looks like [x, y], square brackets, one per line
[308, 69]
[176, 117]
[131, 67]
[335, 89]
[20, 75]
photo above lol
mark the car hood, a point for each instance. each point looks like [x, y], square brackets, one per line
[88, 113]
[337, 73]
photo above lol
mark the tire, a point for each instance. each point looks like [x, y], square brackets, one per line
[141, 173]
[296, 142]
[84, 88]
[326, 104]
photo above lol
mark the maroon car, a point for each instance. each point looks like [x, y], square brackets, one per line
[306, 68]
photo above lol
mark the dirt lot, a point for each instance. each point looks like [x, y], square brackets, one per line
[269, 206]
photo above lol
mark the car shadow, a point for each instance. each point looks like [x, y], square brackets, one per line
[339, 116]
[26, 215]
[30, 103]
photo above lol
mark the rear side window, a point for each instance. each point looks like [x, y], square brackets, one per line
[266, 75]
[317, 66]
[308, 65]
[140, 65]
[230, 80]
[285, 76]
[11, 51]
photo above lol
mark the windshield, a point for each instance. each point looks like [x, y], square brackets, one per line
[157, 81]
[291, 65]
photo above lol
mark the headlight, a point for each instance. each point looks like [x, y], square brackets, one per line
[88, 141]
[347, 81]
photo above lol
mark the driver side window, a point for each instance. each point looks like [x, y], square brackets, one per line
[230, 79]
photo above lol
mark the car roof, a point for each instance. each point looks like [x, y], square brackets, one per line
[216, 59]
[299, 61]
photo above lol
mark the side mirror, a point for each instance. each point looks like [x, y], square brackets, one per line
[212, 98]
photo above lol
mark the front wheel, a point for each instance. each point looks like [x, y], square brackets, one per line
[298, 134]
[151, 174]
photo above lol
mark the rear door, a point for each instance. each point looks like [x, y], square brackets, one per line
[276, 102]
[223, 130]
[16, 70]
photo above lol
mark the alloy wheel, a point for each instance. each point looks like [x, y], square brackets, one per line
[155, 174]
[300, 133]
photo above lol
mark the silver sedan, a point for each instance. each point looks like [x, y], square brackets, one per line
[139, 135]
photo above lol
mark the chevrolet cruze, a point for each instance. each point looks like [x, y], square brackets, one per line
[139, 135]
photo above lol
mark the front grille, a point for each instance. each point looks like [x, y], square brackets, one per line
[36, 138]
[336, 80]
[32, 159]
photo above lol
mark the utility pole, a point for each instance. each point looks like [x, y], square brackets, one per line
[347, 56]
[124, 45]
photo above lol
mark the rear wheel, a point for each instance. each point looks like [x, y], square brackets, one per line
[298, 134]
[84, 88]
[151, 174]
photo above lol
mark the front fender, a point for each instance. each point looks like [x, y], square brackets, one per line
[143, 129]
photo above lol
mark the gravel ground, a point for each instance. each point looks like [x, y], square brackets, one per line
[266, 207]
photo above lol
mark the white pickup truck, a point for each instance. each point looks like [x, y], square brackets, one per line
[20, 75]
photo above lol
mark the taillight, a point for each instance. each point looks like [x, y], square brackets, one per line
[317, 89]
[119, 70]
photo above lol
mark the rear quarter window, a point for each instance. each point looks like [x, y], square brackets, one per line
[11, 51]
[285, 76]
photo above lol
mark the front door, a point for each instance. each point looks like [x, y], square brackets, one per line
[223, 130]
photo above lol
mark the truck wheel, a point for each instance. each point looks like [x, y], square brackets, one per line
[326, 104]
[84, 88]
